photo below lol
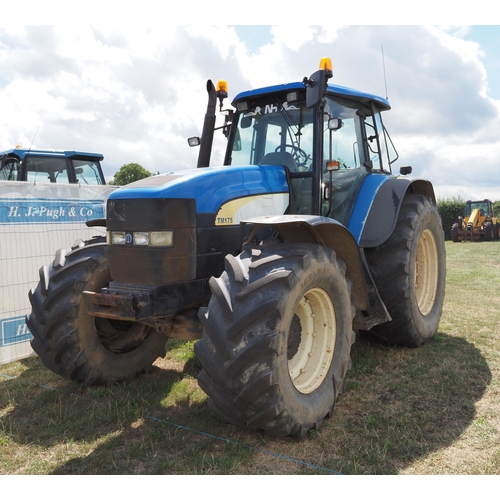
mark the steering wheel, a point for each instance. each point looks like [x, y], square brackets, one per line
[299, 155]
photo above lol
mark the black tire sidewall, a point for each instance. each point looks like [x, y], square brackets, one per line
[488, 231]
[114, 365]
[307, 407]
[65, 334]
[427, 325]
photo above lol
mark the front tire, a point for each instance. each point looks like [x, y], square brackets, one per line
[277, 335]
[73, 343]
[489, 234]
[409, 270]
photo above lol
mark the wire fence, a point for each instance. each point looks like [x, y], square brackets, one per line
[35, 221]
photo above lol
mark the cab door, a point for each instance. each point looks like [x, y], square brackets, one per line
[344, 158]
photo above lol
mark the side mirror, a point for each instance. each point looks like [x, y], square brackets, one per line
[315, 87]
[405, 170]
[245, 121]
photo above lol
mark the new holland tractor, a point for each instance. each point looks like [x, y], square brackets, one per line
[275, 260]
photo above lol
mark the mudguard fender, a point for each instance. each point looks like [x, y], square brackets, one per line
[323, 231]
[384, 210]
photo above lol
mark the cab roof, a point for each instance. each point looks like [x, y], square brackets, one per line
[333, 90]
[54, 153]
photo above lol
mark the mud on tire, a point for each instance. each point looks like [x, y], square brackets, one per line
[409, 270]
[74, 344]
[277, 335]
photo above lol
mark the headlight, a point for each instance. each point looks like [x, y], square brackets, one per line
[161, 238]
[118, 237]
[141, 238]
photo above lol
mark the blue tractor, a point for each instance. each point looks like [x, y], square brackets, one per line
[275, 261]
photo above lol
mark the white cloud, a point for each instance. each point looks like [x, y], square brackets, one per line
[136, 93]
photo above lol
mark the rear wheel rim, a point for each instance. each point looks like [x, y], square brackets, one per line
[314, 342]
[426, 272]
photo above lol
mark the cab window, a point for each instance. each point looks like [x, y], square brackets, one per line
[87, 172]
[343, 145]
[382, 152]
[41, 169]
[9, 169]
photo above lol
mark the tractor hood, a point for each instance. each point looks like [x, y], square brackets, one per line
[210, 187]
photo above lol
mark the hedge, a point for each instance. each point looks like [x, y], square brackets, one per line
[449, 210]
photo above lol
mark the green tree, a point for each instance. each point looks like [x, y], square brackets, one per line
[128, 173]
[496, 208]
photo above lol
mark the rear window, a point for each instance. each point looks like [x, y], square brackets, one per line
[43, 169]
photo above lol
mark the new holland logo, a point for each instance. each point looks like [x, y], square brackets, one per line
[128, 238]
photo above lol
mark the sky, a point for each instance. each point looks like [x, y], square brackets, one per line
[136, 92]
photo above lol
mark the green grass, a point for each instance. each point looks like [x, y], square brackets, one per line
[432, 410]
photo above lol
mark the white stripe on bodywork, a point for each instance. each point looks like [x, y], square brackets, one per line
[234, 211]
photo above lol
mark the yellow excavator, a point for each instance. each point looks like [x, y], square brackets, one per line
[478, 223]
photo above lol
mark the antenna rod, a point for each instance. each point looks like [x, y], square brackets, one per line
[385, 79]
[33, 140]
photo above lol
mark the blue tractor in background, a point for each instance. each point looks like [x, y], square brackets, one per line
[275, 261]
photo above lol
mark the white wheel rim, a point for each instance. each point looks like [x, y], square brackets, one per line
[311, 363]
[426, 272]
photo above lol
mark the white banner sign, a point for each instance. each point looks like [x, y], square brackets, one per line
[35, 221]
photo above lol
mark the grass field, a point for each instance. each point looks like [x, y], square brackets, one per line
[432, 410]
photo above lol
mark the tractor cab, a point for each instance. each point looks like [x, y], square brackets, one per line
[51, 166]
[328, 140]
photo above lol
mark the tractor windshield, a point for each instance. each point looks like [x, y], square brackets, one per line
[275, 132]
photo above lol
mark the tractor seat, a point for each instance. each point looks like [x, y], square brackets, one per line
[280, 158]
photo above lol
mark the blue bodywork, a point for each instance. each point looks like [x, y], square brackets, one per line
[211, 187]
[363, 204]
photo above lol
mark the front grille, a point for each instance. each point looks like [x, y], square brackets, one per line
[153, 265]
[150, 214]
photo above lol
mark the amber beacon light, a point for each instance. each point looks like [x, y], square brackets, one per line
[326, 65]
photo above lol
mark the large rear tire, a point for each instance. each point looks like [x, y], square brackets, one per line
[73, 343]
[277, 335]
[409, 270]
